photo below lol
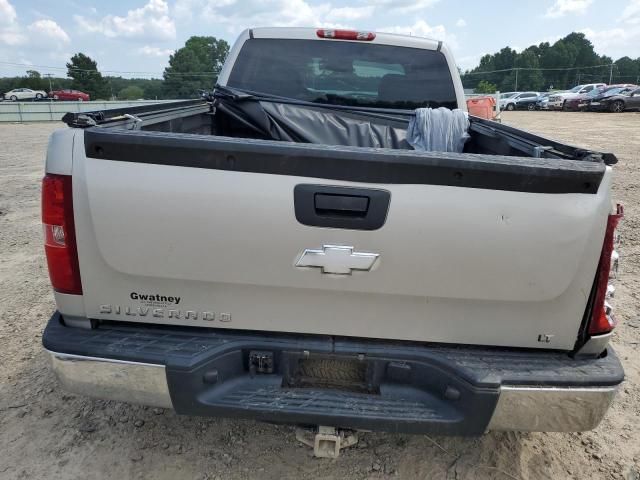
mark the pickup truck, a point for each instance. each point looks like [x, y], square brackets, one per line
[277, 251]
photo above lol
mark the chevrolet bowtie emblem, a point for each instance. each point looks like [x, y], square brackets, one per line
[337, 260]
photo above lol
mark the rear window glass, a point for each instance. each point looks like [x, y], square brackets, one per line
[345, 73]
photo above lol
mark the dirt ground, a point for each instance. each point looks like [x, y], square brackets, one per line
[47, 433]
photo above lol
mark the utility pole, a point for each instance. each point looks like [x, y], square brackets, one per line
[516, 87]
[610, 74]
[48, 75]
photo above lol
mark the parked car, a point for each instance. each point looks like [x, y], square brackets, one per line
[601, 102]
[386, 288]
[24, 94]
[625, 100]
[504, 97]
[68, 94]
[574, 104]
[543, 101]
[528, 103]
[511, 103]
[558, 99]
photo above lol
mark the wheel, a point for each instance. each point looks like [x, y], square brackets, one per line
[13, 98]
[38, 96]
[511, 107]
[617, 106]
[531, 107]
[564, 106]
[80, 99]
[56, 97]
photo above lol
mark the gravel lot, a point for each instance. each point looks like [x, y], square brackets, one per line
[47, 433]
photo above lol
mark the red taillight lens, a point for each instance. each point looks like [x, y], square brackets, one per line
[345, 34]
[60, 234]
[602, 319]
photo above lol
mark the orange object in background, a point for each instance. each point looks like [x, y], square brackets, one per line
[483, 107]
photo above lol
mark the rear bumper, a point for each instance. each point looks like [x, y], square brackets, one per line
[416, 388]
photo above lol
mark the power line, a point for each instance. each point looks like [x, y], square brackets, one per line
[205, 73]
[538, 69]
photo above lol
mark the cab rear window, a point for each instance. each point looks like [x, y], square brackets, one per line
[345, 73]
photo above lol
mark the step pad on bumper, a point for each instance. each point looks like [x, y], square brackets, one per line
[340, 404]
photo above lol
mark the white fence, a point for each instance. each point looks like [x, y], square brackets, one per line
[45, 111]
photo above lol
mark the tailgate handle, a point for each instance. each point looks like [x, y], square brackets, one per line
[341, 207]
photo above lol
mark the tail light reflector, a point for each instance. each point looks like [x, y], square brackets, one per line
[602, 319]
[345, 34]
[59, 234]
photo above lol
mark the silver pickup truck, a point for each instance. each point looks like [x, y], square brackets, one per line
[278, 251]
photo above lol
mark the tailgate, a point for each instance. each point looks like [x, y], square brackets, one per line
[247, 234]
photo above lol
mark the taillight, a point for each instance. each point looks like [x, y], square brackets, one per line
[602, 319]
[345, 34]
[59, 234]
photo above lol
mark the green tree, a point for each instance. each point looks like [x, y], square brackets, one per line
[529, 78]
[152, 87]
[569, 61]
[194, 67]
[35, 81]
[86, 77]
[132, 92]
[627, 70]
[486, 87]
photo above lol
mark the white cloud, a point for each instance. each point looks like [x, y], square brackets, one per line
[422, 29]
[631, 13]
[150, 22]
[622, 39]
[7, 13]
[615, 42]
[563, 7]
[10, 31]
[469, 61]
[461, 23]
[236, 15]
[12, 36]
[404, 6]
[155, 51]
[47, 31]
[349, 13]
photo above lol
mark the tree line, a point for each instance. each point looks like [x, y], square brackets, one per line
[570, 61]
[191, 69]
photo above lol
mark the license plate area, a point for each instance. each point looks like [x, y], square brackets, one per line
[349, 374]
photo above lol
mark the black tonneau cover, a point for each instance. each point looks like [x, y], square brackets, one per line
[285, 119]
[281, 119]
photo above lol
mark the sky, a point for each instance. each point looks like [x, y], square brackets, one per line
[135, 37]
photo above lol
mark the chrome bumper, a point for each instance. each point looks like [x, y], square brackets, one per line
[142, 383]
[546, 409]
[549, 409]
